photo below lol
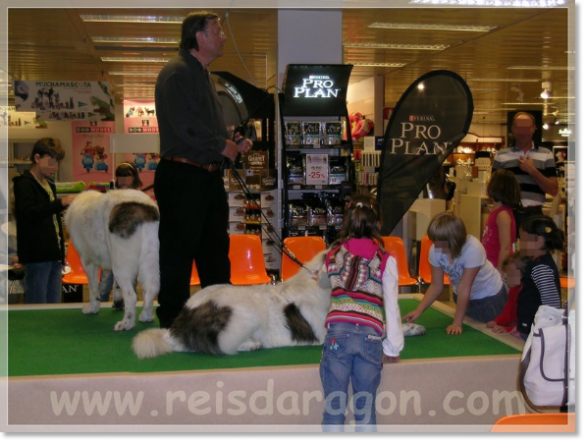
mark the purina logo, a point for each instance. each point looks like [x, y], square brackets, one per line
[422, 118]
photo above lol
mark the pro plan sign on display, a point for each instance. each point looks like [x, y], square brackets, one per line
[316, 90]
[429, 121]
[65, 100]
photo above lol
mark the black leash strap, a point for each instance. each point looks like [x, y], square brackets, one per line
[280, 245]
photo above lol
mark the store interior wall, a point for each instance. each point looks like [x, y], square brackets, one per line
[360, 98]
[62, 132]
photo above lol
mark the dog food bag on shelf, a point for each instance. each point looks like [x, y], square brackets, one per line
[311, 133]
[297, 213]
[338, 171]
[316, 212]
[333, 133]
[293, 133]
[296, 168]
[335, 211]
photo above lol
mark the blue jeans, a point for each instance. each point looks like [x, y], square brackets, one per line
[352, 353]
[42, 282]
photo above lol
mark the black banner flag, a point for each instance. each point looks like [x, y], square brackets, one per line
[429, 121]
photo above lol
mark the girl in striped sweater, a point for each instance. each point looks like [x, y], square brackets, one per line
[539, 237]
[364, 321]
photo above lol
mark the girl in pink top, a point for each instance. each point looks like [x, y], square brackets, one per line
[500, 230]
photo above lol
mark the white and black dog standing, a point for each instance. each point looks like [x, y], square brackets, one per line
[225, 319]
[118, 231]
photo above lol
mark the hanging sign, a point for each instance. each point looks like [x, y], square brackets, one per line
[316, 90]
[65, 100]
[19, 120]
[140, 117]
[429, 121]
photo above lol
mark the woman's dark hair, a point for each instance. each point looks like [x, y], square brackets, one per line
[128, 170]
[193, 23]
[545, 227]
[48, 146]
[504, 188]
[362, 219]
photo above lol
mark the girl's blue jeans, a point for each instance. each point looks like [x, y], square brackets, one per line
[352, 354]
[42, 282]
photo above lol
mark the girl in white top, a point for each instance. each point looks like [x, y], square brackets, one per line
[478, 289]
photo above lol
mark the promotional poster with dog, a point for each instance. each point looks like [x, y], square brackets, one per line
[92, 160]
[140, 117]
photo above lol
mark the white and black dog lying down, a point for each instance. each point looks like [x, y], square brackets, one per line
[118, 231]
[225, 319]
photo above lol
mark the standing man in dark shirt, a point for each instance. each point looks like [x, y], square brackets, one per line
[189, 187]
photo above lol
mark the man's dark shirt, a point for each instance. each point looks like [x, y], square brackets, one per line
[189, 112]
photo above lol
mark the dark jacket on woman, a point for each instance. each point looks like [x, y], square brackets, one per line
[37, 239]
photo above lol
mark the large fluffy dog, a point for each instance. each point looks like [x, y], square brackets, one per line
[224, 319]
[118, 231]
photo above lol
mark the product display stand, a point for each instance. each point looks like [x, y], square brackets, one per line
[317, 169]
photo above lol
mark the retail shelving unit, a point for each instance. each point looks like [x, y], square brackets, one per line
[317, 169]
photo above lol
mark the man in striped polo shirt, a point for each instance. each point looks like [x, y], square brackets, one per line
[534, 167]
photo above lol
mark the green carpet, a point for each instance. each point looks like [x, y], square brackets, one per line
[65, 341]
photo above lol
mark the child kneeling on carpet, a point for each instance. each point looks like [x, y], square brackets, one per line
[478, 289]
[514, 266]
[363, 321]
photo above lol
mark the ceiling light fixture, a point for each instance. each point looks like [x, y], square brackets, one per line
[494, 3]
[544, 68]
[131, 19]
[379, 65]
[512, 80]
[526, 104]
[484, 89]
[141, 40]
[546, 88]
[432, 27]
[134, 74]
[135, 59]
[396, 46]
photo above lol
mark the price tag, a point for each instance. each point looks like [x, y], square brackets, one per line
[316, 169]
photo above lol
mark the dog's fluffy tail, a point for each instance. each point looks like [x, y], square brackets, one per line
[151, 343]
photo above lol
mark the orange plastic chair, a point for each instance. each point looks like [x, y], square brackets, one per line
[304, 249]
[396, 247]
[424, 266]
[567, 282]
[247, 260]
[545, 422]
[77, 276]
[194, 281]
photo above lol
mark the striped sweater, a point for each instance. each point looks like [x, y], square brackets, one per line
[531, 193]
[540, 286]
[357, 290]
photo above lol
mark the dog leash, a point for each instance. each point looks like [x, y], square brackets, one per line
[277, 241]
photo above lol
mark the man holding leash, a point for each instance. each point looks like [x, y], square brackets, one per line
[194, 142]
